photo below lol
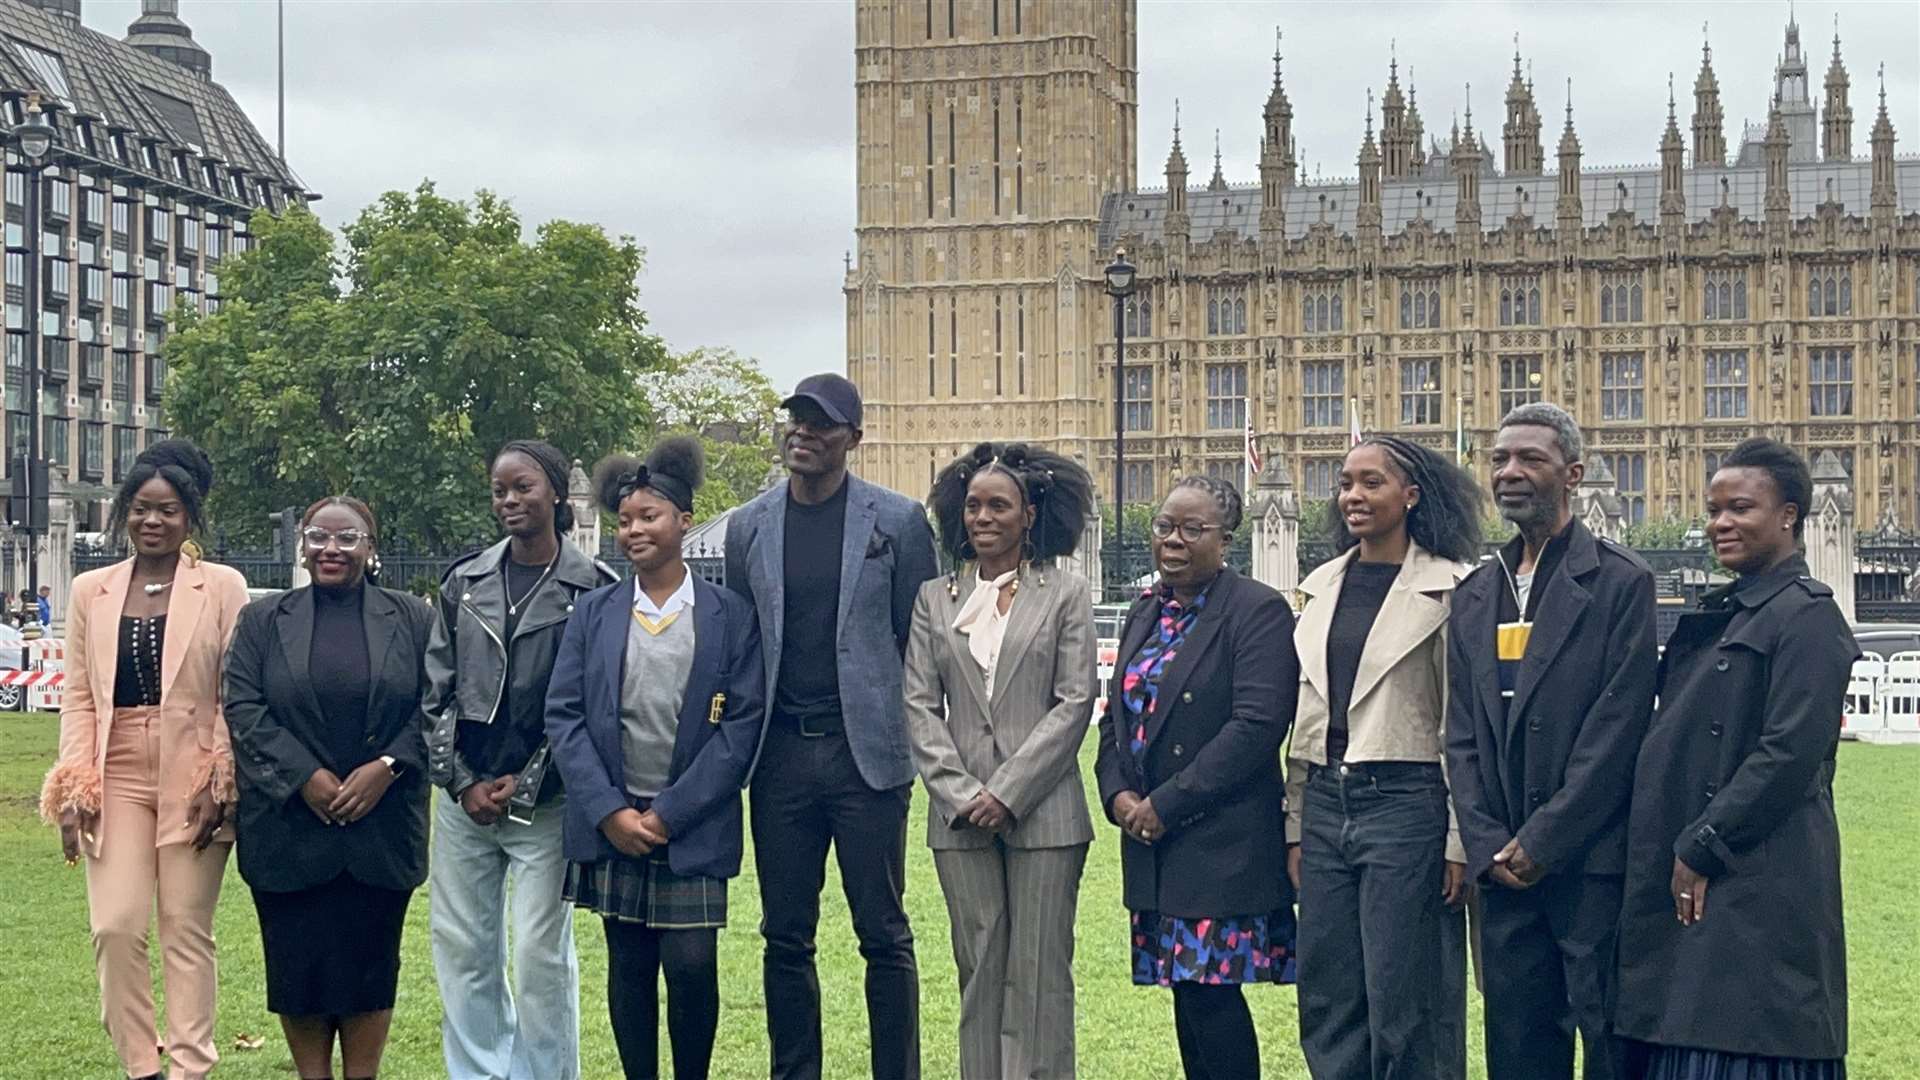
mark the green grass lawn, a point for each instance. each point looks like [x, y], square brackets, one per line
[52, 1030]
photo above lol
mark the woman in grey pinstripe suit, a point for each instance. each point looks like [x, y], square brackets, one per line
[999, 692]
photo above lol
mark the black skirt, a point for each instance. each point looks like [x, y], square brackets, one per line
[332, 950]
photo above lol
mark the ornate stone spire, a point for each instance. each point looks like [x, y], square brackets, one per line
[1521, 133]
[1884, 195]
[1277, 118]
[1709, 124]
[1176, 169]
[1219, 180]
[1568, 209]
[1779, 144]
[1368, 215]
[1673, 196]
[1836, 124]
[1465, 160]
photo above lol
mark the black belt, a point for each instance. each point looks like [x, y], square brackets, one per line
[813, 727]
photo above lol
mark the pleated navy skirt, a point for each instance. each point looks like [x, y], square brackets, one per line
[1683, 1063]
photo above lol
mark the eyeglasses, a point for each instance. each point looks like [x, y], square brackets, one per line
[318, 538]
[1190, 531]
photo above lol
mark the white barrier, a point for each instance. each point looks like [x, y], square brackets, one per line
[1883, 699]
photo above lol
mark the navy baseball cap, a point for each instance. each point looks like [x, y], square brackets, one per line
[835, 394]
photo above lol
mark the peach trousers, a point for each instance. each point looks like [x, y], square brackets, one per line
[124, 882]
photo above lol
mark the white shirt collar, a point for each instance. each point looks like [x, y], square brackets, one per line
[682, 598]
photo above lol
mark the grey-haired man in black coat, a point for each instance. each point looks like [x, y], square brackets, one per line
[1552, 658]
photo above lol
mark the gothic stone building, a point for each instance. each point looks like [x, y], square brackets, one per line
[153, 174]
[1771, 287]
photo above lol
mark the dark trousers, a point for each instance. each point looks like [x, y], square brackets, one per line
[1547, 954]
[636, 956]
[1383, 962]
[807, 794]
[1215, 1030]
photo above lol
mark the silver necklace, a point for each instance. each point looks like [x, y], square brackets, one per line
[156, 588]
[513, 606]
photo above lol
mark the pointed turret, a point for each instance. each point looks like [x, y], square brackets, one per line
[1673, 195]
[1778, 200]
[1277, 119]
[1367, 218]
[1396, 137]
[1884, 197]
[1836, 124]
[1465, 161]
[1521, 133]
[1176, 170]
[1218, 181]
[1416, 128]
[1567, 210]
[1709, 125]
[1793, 96]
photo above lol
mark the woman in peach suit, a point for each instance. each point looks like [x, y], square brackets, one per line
[144, 782]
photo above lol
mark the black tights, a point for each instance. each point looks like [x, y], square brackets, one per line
[636, 955]
[1215, 1028]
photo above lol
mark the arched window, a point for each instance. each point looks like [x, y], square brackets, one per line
[1833, 297]
[1420, 309]
[1306, 314]
[1533, 306]
[1240, 316]
[1409, 320]
[1320, 313]
[1711, 308]
[1739, 300]
[1846, 294]
[1506, 307]
[1213, 316]
[1637, 309]
[1813, 296]
[1146, 318]
[1337, 323]
[1606, 304]
[1433, 308]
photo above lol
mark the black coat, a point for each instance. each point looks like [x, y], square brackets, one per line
[1212, 765]
[1555, 766]
[1736, 779]
[279, 741]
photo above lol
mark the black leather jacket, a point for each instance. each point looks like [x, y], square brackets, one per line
[466, 661]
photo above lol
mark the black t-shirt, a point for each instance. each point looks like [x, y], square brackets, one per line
[809, 682]
[1361, 595]
[504, 747]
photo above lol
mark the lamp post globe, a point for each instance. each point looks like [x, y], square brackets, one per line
[1119, 286]
[34, 133]
[1120, 275]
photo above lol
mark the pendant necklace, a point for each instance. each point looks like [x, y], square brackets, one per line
[156, 588]
[513, 606]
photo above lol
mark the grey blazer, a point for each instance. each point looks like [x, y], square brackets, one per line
[1024, 744]
[887, 551]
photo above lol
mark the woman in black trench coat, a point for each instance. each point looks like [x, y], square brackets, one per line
[1733, 951]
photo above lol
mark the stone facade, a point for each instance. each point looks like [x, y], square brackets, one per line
[1674, 310]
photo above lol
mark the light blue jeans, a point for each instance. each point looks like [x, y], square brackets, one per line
[488, 1031]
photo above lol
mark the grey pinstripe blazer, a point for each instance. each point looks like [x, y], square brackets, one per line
[1024, 744]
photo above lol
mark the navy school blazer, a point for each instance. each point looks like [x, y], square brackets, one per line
[712, 751]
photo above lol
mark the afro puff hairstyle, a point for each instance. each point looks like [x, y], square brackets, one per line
[675, 468]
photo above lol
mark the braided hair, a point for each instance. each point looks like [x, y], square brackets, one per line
[182, 465]
[1056, 488]
[1446, 520]
[554, 464]
[1225, 494]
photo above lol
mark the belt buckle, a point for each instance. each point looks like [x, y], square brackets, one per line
[807, 732]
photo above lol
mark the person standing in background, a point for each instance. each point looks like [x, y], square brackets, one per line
[832, 565]
[999, 684]
[500, 615]
[1551, 661]
[44, 605]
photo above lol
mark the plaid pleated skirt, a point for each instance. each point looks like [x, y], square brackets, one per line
[648, 892]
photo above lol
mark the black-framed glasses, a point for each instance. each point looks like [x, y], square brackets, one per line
[318, 538]
[1190, 531]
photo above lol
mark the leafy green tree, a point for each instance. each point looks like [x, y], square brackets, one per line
[453, 334]
[1660, 533]
[727, 401]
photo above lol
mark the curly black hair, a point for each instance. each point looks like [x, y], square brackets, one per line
[554, 464]
[182, 465]
[675, 468]
[1057, 488]
[1446, 520]
[1225, 494]
[1791, 477]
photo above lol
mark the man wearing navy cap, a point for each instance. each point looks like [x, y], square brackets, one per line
[832, 564]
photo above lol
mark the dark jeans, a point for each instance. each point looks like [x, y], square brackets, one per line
[636, 955]
[807, 794]
[1215, 1029]
[1547, 955]
[1383, 962]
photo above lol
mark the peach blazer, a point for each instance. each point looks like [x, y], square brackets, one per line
[202, 607]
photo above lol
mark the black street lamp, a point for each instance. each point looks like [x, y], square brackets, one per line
[1120, 287]
[35, 136]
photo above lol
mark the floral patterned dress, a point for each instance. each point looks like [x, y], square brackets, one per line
[1168, 948]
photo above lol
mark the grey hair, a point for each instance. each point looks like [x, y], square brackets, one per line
[1566, 430]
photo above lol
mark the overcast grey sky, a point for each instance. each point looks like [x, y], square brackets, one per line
[720, 134]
